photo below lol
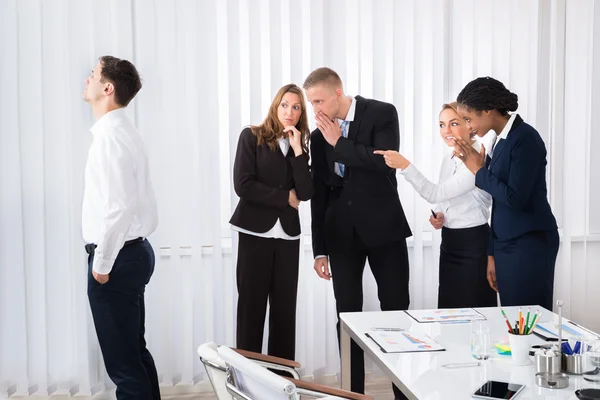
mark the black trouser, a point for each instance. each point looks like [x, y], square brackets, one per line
[119, 315]
[267, 269]
[463, 269]
[389, 265]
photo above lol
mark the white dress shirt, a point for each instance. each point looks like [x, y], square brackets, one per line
[338, 168]
[276, 232]
[350, 114]
[503, 134]
[118, 201]
[463, 204]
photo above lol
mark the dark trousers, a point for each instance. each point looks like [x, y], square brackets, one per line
[267, 269]
[463, 269]
[525, 268]
[119, 314]
[389, 265]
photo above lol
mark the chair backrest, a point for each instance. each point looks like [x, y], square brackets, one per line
[216, 368]
[254, 381]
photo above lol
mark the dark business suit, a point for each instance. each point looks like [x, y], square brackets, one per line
[360, 217]
[267, 268]
[524, 237]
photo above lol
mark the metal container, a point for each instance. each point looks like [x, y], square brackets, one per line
[550, 364]
[572, 364]
[552, 381]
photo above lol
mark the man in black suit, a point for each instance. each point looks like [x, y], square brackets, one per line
[356, 211]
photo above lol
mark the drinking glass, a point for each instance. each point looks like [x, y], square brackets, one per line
[481, 339]
[591, 360]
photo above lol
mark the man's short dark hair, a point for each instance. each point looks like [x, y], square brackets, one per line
[123, 75]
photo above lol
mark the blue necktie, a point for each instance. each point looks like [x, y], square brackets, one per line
[339, 167]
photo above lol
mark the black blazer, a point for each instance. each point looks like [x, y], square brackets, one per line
[366, 199]
[516, 178]
[263, 178]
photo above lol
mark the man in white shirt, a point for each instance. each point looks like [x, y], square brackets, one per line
[119, 212]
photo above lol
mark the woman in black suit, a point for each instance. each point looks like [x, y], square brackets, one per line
[271, 176]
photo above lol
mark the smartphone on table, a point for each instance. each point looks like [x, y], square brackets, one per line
[497, 390]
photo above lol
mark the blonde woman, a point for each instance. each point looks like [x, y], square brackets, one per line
[462, 212]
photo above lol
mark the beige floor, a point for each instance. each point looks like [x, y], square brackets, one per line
[378, 388]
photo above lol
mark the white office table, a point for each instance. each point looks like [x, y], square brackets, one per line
[421, 375]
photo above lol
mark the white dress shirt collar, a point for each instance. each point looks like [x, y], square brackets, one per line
[503, 134]
[507, 127]
[350, 114]
[109, 119]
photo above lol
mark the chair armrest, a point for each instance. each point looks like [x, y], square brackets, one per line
[268, 359]
[328, 390]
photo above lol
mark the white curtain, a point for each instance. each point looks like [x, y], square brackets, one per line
[211, 67]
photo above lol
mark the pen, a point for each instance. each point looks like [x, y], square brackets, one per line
[566, 347]
[388, 329]
[455, 322]
[462, 365]
[434, 214]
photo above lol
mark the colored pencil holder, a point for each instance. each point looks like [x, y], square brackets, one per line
[519, 348]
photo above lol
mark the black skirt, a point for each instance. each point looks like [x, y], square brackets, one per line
[463, 269]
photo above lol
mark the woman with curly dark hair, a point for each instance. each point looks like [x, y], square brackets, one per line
[524, 238]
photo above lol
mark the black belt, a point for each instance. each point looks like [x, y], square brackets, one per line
[90, 247]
